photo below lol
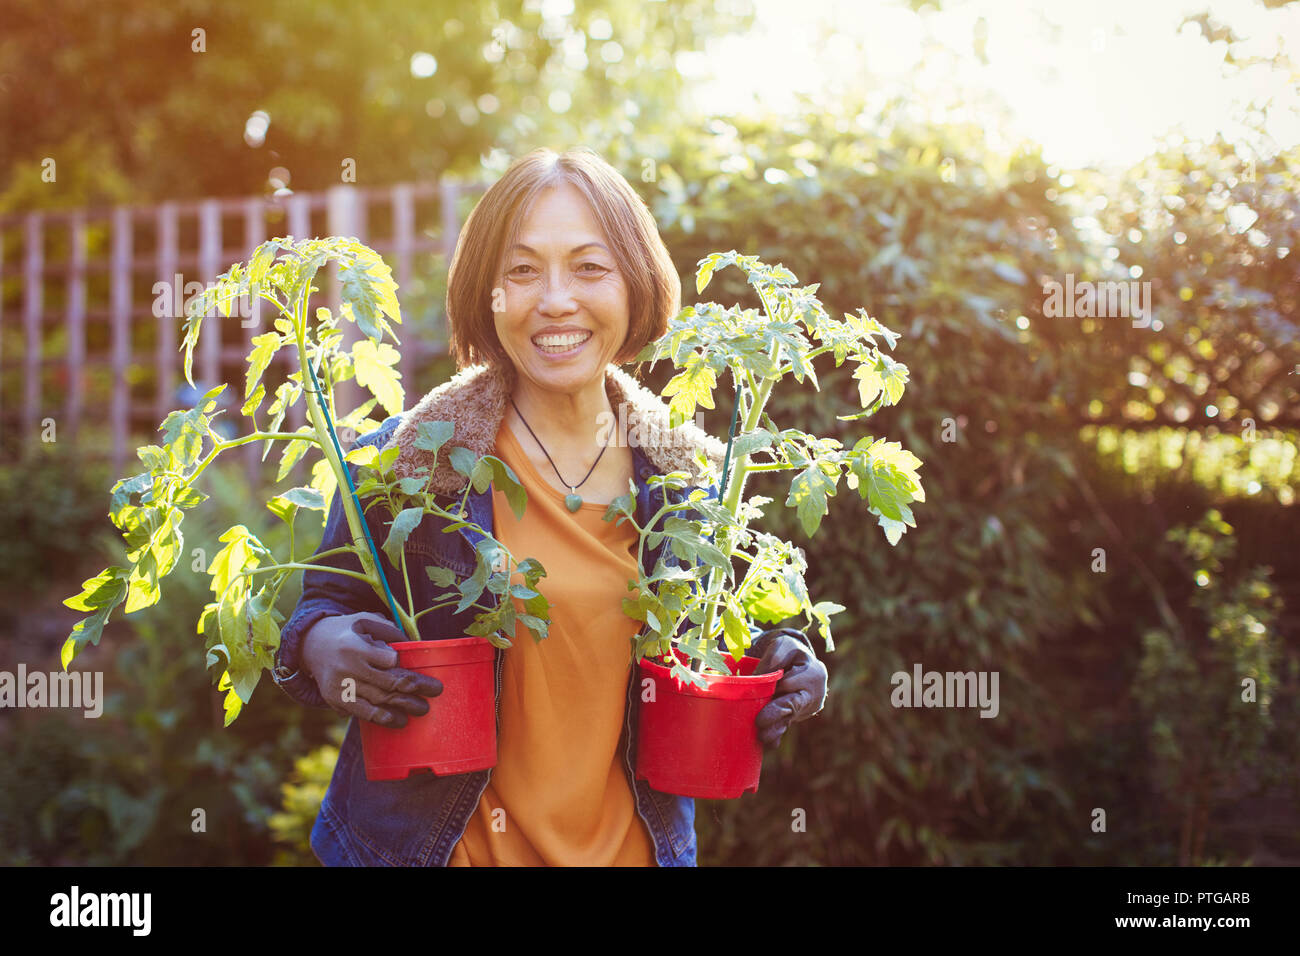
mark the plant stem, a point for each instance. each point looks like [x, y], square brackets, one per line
[299, 566]
[736, 481]
[770, 466]
[449, 601]
[811, 355]
[434, 607]
[339, 467]
[219, 447]
[325, 554]
[406, 579]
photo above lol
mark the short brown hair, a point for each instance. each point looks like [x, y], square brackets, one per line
[653, 289]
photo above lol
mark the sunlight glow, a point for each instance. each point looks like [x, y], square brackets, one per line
[1101, 83]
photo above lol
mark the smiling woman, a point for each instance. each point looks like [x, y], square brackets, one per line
[559, 273]
[618, 225]
[559, 277]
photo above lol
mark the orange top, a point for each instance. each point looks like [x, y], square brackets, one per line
[560, 794]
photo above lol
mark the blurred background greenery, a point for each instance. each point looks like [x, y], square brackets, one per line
[940, 205]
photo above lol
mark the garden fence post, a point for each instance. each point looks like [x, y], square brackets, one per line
[254, 235]
[76, 319]
[120, 318]
[403, 235]
[165, 362]
[346, 214]
[299, 228]
[2, 325]
[210, 260]
[33, 269]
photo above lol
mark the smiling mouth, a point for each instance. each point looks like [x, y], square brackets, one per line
[560, 344]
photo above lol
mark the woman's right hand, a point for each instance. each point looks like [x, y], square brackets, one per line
[353, 648]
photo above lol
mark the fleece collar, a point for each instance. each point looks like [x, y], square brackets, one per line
[475, 400]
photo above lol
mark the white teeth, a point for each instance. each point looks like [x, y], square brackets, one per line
[561, 342]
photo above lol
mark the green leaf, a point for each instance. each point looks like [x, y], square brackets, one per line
[286, 394]
[808, 493]
[357, 416]
[411, 486]
[293, 453]
[282, 509]
[704, 274]
[231, 560]
[99, 595]
[195, 310]
[254, 402]
[306, 497]
[156, 459]
[771, 602]
[431, 436]
[884, 375]
[537, 626]
[822, 611]
[538, 607]
[532, 572]
[240, 639]
[481, 476]
[364, 455]
[507, 482]
[184, 432]
[264, 348]
[322, 478]
[751, 442]
[369, 290]
[374, 370]
[688, 676]
[462, 460]
[261, 261]
[472, 586]
[620, 506]
[232, 705]
[886, 476]
[122, 493]
[399, 531]
[155, 546]
[442, 577]
[894, 530]
[734, 632]
[189, 497]
[691, 387]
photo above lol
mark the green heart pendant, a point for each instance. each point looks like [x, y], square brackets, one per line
[573, 502]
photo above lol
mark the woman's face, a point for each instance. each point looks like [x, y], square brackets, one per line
[565, 311]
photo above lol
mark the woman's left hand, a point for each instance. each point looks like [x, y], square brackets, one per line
[801, 691]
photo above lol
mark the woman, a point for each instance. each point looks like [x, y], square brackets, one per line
[559, 277]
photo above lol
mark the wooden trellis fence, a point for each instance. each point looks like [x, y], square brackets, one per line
[84, 352]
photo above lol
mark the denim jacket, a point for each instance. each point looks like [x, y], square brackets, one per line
[418, 821]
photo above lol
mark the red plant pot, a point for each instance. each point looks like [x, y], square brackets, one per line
[703, 743]
[459, 733]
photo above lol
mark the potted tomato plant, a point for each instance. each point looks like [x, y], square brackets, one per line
[241, 626]
[700, 695]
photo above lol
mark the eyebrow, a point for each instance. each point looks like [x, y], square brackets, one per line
[532, 251]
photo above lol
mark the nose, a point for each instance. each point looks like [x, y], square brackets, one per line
[557, 293]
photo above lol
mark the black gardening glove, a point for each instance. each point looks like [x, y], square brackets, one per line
[801, 691]
[356, 647]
